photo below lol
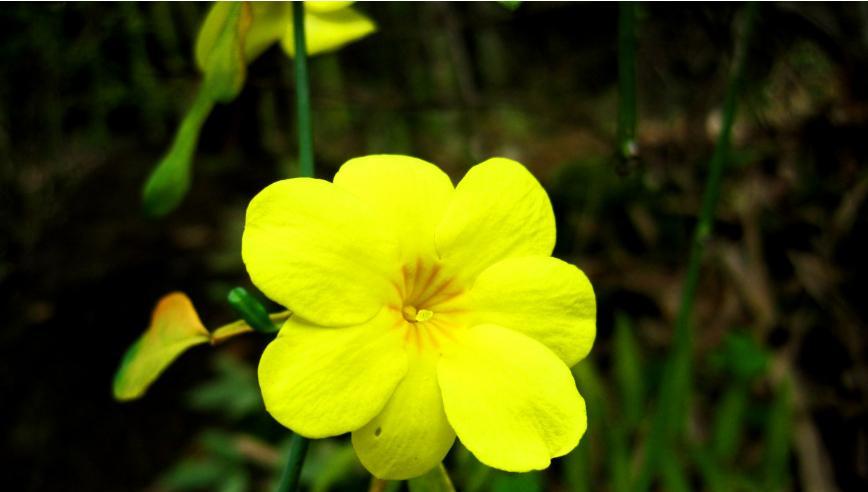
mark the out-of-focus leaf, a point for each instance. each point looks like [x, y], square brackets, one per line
[237, 481]
[222, 445]
[234, 392]
[175, 327]
[741, 356]
[729, 422]
[193, 475]
[472, 475]
[577, 469]
[170, 180]
[517, 482]
[714, 477]
[436, 480]
[619, 466]
[328, 31]
[777, 439]
[336, 468]
[673, 474]
[628, 370]
[510, 4]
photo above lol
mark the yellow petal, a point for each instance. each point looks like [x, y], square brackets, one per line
[411, 194]
[499, 210]
[320, 7]
[411, 435]
[511, 400]
[320, 251]
[323, 382]
[175, 327]
[328, 31]
[269, 24]
[542, 297]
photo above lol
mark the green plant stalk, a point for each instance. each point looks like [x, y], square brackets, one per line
[302, 94]
[299, 444]
[671, 404]
[297, 452]
[627, 147]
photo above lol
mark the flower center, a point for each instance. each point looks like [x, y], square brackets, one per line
[413, 315]
[430, 303]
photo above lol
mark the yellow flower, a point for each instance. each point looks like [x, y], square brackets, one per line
[328, 26]
[421, 311]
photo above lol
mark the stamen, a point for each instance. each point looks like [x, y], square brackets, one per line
[409, 313]
[424, 315]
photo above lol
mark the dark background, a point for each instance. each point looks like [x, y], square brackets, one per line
[90, 95]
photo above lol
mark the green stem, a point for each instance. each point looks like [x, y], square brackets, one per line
[298, 444]
[671, 402]
[297, 452]
[302, 93]
[627, 146]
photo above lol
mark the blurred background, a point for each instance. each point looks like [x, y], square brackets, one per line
[90, 95]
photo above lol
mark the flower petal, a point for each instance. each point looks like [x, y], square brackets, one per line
[511, 401]
[411, 435]
[323, 382]
[499, 210]
[175, 327]
[320, 251]
[543, 297]
[328, 31]
[410, 193]
[320, 7]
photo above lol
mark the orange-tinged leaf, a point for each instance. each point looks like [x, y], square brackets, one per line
[175, 327]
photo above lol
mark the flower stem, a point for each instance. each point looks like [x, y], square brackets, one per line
[675, 385]
[298, 444]
[297, 452]
[302, 94]
[627, 146]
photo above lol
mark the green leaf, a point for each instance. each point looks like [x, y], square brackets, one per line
[170, 180]
[436, 480]
[628, 370]
[729, 422]
[777, 439]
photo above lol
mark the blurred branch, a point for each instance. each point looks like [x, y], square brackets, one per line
[675, 385]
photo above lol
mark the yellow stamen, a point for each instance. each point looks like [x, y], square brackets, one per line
[424, 315]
